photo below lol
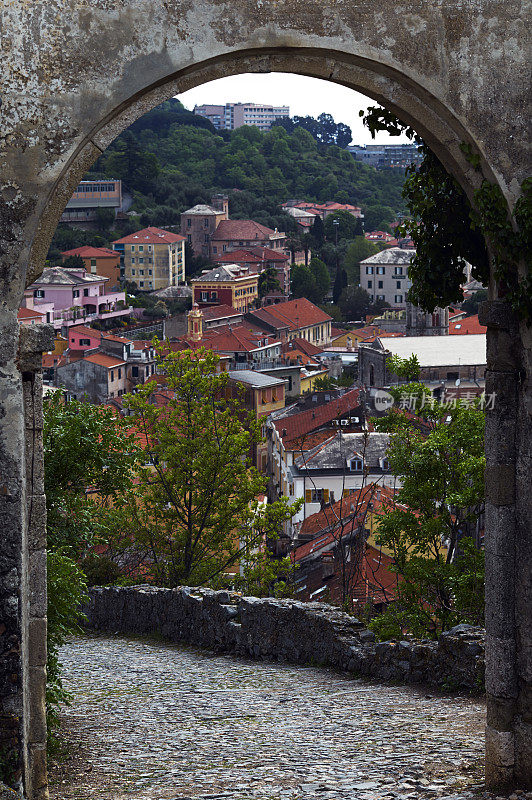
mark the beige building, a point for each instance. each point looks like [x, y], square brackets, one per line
[152, 258]
[384, 276]
[234, 115]
[199, 223]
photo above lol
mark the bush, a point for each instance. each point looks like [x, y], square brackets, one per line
[66, 592]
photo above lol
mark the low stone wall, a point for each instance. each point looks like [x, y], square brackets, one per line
[288, 630]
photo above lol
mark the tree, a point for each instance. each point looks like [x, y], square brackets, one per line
[104, 218]
[472, 303]
[317, 231]
[321, 278]
[132, 164]
[428, 525]
[442, 226]
[354, 303]
[357, 251]
[303, 283]
[406, 368]
[347, 225]
[73, 262]
[268, 282]
[197, 495]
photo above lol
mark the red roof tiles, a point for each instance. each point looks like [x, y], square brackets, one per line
[91, 252]
[300, 313]
[245, 229]
[151, 235]
[298, 425]
[466, 325]
[105, 361]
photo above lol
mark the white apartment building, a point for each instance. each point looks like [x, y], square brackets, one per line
[233, 115]
[384, 276]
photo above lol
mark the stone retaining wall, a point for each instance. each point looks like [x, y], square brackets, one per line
[288, 630]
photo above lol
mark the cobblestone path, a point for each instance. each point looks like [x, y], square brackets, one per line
[153, 721]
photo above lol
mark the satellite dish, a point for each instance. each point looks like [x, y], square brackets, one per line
[457, 382]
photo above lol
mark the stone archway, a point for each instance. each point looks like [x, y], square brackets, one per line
[99, 66]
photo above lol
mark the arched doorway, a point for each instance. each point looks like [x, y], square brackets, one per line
[94, 74]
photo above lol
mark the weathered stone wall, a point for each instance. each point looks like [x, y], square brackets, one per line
[288, 630]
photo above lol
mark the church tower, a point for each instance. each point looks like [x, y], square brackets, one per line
[195, 323]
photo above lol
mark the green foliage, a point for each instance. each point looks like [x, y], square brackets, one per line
[322, 279]
[104, 218]
[472, 303]
[357, 251]
[407, 369]
[322, 384]
[89, 461]
[66, 592]
[73, 262]
[355, 303]
[268, 282]
[347, 228]
[440, 573]
[197, 494]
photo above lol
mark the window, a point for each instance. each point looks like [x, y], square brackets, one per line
[132, 248]
[93, 262]
[150, 261]
[134, 372]
[380, 284]
[141, 283]
[112, 375]
[141, 272]
[398, 298]
[370, 284]
[38, 293]
[316, 495]
[385, 464]
[369, 270]
[189, 223]
[119, 373]
[214, 249]
[75, 293]
[206, 237]
[214, 295]
[205, 296]
[398, 270]
[132, 271]
[132, 260]
[141, 248]
[84, 342]
[356, 464]
[380, 270]
[189, 238]
[141, 261]
[150, 248]
[398, 284]
[85, 292]
[150, 272]
[380, 297]
[205, 223]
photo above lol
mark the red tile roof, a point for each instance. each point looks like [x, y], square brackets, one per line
[466, 325]
[238, 257]
[105, 361]
[231, 339]
[112, 338]
[245, 229]
[311, 419]
[301, 344]
[83, 330]
[375, 495]
[297, 314]
[151, 235]
[28, 313]
[91, 252]
[220, 312]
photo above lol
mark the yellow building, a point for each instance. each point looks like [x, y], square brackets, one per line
[152, 258]
[227, 284]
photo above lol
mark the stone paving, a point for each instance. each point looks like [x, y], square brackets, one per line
[154, 721]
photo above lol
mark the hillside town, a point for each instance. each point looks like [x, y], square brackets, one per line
[309, 378]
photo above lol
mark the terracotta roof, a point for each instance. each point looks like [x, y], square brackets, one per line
[112, 338]
[91, 252]
[231, 339]
[220, 312]
[105, 361]
[238, 256]
[267, 254]
[466, 325]
[49, 360]
[301, 344]
[296, 314]
[151, 235]
[245, 229]
[311, 419]
[373, 494]
[83, 330]
[28, 313]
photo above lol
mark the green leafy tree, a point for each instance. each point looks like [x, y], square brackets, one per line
[442, 223]
[197, 496]
[268, 282]
[321, 277]
[428, 527]
[346, 229]
[407, 369]
[472, 303]
[303, 283]
[357, 251]
[73, 262]
[132, 164]
[104, 218]
[354, 303]
[317, 232]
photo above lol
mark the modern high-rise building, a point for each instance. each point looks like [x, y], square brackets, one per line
[386, 156]
[230, 116]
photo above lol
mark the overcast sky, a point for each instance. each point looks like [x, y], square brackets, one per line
[305, 96]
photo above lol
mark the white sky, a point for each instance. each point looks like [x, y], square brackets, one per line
[305, 96]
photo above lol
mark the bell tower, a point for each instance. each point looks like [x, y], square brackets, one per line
[195, 323]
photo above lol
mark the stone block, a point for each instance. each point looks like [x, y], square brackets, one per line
[501, 679]
[499, 481]
[500, 712]
[34, 340]
[32, 398]
[37, 576]
[34, 463]
[37, 642]
[37, 523]
[500, 748]
[36, 713]
[498, 314]
[500, 570]
[523, 754]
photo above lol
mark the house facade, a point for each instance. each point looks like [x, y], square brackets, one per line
[69, 296]
[199, 223]
[295, 319]
[234, 234]
[257, 259]
[229, 285]
[384, 276]
[152, 258]
[95, 378]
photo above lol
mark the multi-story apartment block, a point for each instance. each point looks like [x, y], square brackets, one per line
[233, 115]
[98, 261]
[91, 195]
[199, 223]
[152, 258]
[229, 285]
[384, 276]
[387, 156]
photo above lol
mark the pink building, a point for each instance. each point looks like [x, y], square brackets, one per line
[80, 337]
[68, 296]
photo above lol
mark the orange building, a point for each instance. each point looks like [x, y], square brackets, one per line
[98, 261]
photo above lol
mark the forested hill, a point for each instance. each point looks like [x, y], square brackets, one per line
[171, 159]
